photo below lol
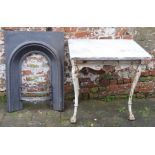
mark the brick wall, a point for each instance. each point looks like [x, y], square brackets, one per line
[100, 84]
[35, 76]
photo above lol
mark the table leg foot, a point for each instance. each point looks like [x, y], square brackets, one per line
[73, 119]
[131, 117]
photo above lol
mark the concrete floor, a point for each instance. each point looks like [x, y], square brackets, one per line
[91, 113]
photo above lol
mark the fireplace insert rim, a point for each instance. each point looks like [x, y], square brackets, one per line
[50, 51]
[33, 43]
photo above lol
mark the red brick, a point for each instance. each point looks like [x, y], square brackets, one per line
[59, 29]
[43, 83]
[26, 72]
[101, 71]
[91, 85]
[81, 34]
[40, 72]
[105, 82]
[152, 52]
[120, 32]
[124, 86]
[123, 91]
[68, 88]
[153, 59]
[152, 72]
[113, 82]
[46, 77]
[144, 90]
[70, 29]
[123, 33]
[145, 73]
[84, 79]
[32, 90]
[112, 87]
[125, 80]
[10, 28]
[127, 37]
[145, 62]
[117, 37]
[120, 81]
[144, 87]
[84, 90]
[108, 68]
[41, 89]
[1, 35]
[109, 37]
[87, 84]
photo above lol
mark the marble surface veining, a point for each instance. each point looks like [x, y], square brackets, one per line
[106, 49]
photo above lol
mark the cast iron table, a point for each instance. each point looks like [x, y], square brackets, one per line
[93, 53]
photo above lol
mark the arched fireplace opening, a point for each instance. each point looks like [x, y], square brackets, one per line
[35, 78]
[21, 45]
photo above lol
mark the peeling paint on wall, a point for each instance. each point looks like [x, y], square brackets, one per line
[144, 36]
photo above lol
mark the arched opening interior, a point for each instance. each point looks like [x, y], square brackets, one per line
[35, 78]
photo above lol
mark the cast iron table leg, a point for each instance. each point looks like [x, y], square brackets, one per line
[135, 81]
[76, 90]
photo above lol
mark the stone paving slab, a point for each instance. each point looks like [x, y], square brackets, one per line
[91, 113]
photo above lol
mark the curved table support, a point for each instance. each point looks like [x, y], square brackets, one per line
[76, 90]
[135, 81]
[97, 66]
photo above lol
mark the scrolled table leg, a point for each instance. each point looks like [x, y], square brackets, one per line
[135, 81]
[76, 91]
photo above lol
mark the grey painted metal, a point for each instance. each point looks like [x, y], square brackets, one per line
[20, 44]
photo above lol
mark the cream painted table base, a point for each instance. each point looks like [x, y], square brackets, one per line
[97, 66]
[95, 54]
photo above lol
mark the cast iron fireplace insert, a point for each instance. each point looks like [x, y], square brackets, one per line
[20, 44]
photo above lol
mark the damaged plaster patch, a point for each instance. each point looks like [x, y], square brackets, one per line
[2, 77]
[2, 67]
[104, 32]
[1, 42]
[108, 31]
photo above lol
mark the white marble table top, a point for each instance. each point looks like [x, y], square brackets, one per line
[106, 49]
